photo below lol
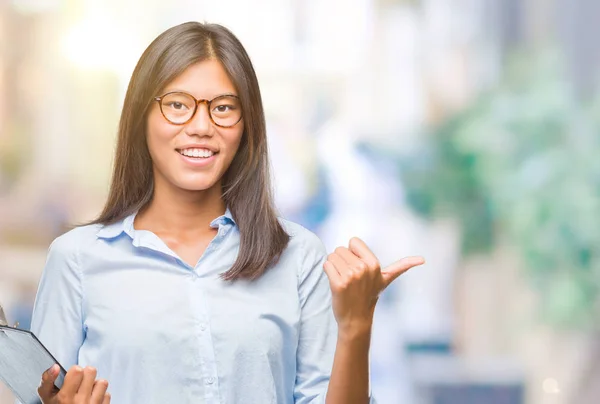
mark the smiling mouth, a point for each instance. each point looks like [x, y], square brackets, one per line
[196, 153]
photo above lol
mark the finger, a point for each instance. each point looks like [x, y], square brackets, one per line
[340, 265]
[99, 392]
[362, 251]
[396, 269]
[87, 384]
[355, 263]
[106, 399]
[332, 273]
[47, 388]
[72, 381]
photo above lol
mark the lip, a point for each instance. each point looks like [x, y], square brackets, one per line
[196, 161]
[198, 146]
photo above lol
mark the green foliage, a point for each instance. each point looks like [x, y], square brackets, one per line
[523, 163]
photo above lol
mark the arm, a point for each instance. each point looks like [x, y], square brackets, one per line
[321, 345]
[356, 281]
[350, 374]
[58, 323]
[317, 327]
[57, 314]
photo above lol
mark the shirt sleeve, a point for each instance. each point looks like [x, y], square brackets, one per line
[318, 329]
[57, 318]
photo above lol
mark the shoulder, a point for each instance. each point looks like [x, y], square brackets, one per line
[308, 253]
[63, 263]
[304, 245]
[300, 236]
[71, 242]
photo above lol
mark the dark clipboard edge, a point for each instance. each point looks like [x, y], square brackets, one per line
[61, 370]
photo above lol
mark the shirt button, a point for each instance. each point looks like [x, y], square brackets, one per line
[210, 380]
[202, 327]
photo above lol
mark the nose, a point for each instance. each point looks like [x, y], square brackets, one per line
[200, 125]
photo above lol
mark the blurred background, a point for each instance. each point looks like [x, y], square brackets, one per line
[466, 131]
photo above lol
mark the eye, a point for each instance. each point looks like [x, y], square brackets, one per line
[223, 108]
[176, 105]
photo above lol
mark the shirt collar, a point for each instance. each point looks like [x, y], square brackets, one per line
[125, 225]
[226, 218]
[115, 229]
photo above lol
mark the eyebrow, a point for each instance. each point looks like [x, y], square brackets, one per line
[177, 90]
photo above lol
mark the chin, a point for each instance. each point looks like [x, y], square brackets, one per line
[194, 186]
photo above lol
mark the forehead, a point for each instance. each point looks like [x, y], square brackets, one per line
[204, 80]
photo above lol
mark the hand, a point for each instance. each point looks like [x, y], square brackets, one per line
[80, 387]
[356, 281]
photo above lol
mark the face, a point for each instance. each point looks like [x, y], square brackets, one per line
[193, 156]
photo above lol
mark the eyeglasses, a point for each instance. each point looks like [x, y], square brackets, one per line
[179, 108]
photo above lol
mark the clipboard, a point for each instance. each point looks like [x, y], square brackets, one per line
[23, 360]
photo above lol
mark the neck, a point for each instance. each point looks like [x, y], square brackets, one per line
[181, 212]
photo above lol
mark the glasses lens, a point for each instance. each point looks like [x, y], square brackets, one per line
[178, 107]
[226, 110]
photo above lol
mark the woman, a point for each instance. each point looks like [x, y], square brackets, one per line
[188, 288]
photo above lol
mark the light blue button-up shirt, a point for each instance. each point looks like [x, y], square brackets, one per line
[161, 331]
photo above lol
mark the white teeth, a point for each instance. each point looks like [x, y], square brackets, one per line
[196, 153]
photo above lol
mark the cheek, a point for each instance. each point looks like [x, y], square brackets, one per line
[158, 137]
[233, 141]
